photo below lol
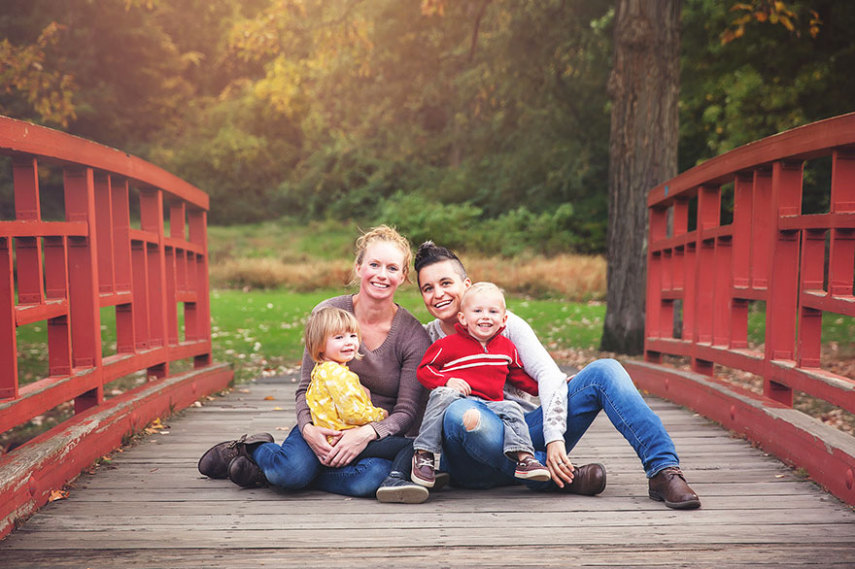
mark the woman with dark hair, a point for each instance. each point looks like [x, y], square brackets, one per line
[472, 434]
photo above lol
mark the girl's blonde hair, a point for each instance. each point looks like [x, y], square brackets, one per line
[326, 322]
[389, 234]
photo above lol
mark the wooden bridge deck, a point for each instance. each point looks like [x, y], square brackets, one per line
[149, 507]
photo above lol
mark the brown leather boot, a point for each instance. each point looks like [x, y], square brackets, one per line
[670, 486]
[588, 480]
[244, 472]
[215, 462]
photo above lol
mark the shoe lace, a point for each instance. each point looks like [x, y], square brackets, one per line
[423, 461]
[672, 471]
[237, 443]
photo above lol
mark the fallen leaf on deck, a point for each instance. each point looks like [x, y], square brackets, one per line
[270, 398]
[155, 426]
[57, 495]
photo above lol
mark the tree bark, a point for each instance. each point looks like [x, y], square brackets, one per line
[644, 87]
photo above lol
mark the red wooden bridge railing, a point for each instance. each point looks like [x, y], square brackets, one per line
[800, 265]
[62, 273]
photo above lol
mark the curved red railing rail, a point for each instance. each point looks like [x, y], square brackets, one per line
[63, 273]
[800, 265]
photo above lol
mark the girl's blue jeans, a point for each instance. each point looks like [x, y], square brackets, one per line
[474, 458]
[294, 466]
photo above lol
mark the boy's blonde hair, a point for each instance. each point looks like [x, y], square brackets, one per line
[389, 234]
[326, 322]
[483, 287]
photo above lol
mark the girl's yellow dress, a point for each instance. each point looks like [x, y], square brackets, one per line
[337, 400]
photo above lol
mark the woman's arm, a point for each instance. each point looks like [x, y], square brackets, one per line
[410, 343]
[551, 381]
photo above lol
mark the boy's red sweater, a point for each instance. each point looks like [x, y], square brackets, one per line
[485, 369]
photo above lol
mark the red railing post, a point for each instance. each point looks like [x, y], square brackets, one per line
[841, 265]
[28, 250]
[56, 289]
[201, 309]
[8, 334]
[85, 316]
[782, 310]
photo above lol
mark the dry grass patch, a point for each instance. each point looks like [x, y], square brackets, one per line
[571, 277]
[267, 273]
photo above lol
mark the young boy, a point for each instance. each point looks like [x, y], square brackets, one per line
[475, 362]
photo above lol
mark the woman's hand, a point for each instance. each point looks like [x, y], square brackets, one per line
[349, 445]
[460, 385]
[559, 464]
[316, 438]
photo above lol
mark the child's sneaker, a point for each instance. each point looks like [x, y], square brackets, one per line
[528, 468]
[423, 473]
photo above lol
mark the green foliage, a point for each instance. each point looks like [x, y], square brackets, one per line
[768, 79]
[422, 219]
[47, 92]
[463, 227]
[235, 152]
[284, 240]
[335, 109]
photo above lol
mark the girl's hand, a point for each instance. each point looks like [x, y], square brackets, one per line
[349, 445]
[559, 464]
[459, 385]
[316, 438]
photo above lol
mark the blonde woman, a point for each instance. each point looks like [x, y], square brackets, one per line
[393, 343]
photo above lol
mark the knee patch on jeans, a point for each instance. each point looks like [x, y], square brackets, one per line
[471, 419]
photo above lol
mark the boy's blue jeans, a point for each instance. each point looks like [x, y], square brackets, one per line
[514, 428]
[474, 458]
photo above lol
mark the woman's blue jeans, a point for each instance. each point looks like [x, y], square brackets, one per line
[294, 466]
[474, 458]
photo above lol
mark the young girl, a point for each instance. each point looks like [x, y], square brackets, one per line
[336, 398]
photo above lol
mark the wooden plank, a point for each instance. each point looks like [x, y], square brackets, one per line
[150, 507]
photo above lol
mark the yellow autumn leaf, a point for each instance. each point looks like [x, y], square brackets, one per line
[155, 426]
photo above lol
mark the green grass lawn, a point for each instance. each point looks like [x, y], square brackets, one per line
[260, 332]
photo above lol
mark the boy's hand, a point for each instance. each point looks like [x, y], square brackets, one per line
[459, 385]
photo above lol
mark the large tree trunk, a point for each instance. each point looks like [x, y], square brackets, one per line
[644, 88]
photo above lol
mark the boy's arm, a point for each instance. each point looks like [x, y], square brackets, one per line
[517, 375]
[429, 372]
